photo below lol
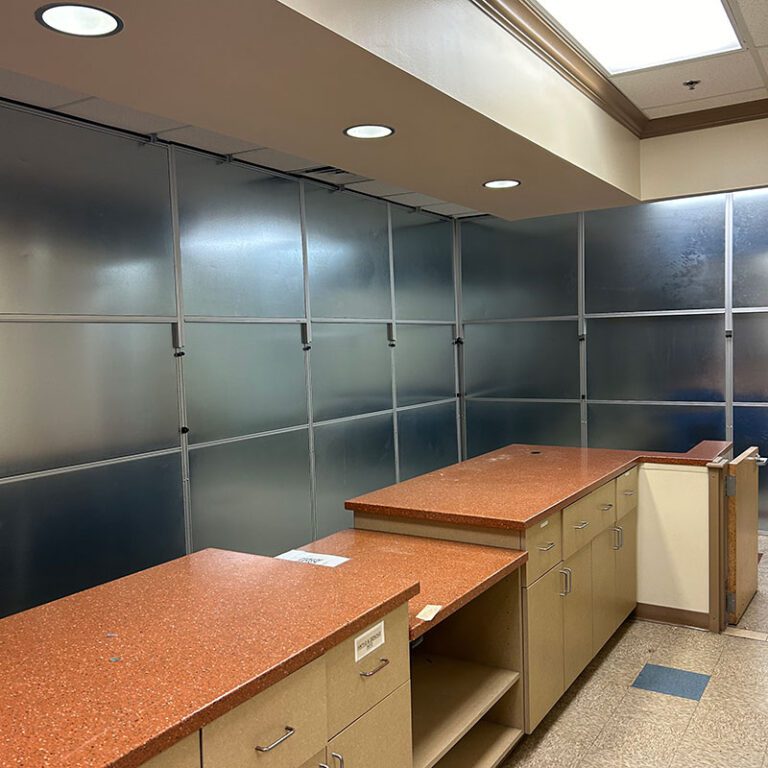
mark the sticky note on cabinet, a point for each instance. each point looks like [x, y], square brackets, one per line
[369, 641]
[428, 612]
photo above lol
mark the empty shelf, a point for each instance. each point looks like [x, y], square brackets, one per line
[485, 746]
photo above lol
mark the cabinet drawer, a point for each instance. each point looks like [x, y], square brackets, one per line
[589, 516]
[544, 546]
[626, 493]
[356, 686]
[183, 754]
[296, 703]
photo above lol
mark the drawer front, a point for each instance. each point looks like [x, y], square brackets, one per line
[242, 738]
[626, 493]
[589, 516]
[183, 754]
[544, 546]
[355, 686]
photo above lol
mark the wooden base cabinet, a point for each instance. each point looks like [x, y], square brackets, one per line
[603, 588]
[577, 614]
[626, 566]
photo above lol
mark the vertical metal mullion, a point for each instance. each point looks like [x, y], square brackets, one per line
[729, 316]
[179, 343]
[461, 406]
[393, 341]
[582, 331]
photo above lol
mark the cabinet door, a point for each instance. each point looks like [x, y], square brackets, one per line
[604, 607]
[544, 645]
[381, 738]
[577, 614]
[183, 754]
[626, 567]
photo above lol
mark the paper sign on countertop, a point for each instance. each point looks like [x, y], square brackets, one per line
[428, 612]
[312, 558]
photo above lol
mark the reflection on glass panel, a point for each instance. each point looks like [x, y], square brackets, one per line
[348, 249]
[423, 256]
[252, 495]
[424, 363]
[519, 269]
[427, 439]
[668, 255]
[750, 357]
[656, 358]
[654, 427]
[492, 425]
[750, 248]
[750, 427]
[64, 533]
[87, 227]
[243, 378]
[351, 370]
[532, 359]
[240, 240]
[72, 393]
[351, 457]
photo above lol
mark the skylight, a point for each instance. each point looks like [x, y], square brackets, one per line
[626, 35]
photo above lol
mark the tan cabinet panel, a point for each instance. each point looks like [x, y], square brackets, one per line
[544, 546]
[356, 686]
[589, 516]
[183, 754]
[318, 760]
[379, 739]
[543, 604]
[626, 567]
[604, 610]
[626, 493]
[577, 614]
[290, 714]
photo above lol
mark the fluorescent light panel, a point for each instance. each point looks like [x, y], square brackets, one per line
[627, 35]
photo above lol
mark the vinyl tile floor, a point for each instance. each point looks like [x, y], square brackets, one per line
[755, 618]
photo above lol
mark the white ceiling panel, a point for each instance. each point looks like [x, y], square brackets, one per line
[208, 140]
[714, 101]
[30, 90]
[451, 209]
[378, 188]
[415, 199]
[273, 159]
[755, 13]
[118, 116]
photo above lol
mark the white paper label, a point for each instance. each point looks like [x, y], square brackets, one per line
[313, 558]
[369, 641]
[428, 612]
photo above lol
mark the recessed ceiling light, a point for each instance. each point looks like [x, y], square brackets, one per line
[626, 35]
[369, 131]
[79, 20]
[501, 183]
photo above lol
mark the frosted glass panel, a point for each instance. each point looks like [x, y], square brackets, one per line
[240, 240]
[750, 357]
[72, 393]
[352, 457]
[427, 439]
[424, 363]
[750, 427]
[656, 358]
[252, 495]
[654, 427]
[85, 222]
[423, 254]
[68, 532]
[532, 359]
[519, 269]
[750, 248]
[243, 378]
[668, 255]
[492, 425]
[351, 370]
[348, 248]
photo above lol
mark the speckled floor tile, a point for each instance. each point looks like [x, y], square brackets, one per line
[688, 756]
[756, 615]
[690, 649]
[728, 723]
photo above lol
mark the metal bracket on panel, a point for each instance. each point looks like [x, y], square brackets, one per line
[729, 334]
[184, 430]
[730, 602]
[730, 485]
[391, 337]
[176, 340]
[306, 337]
[459, 340]
[151, 139]
[582, 337]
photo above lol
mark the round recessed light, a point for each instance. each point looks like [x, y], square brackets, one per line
[78, 20]
[369, 131]
[501, 183]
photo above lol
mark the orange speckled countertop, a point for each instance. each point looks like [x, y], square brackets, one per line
[450, 574]
[114, 675]
[515, 486]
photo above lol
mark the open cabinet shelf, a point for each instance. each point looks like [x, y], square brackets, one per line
[485, 746]
[449, 697]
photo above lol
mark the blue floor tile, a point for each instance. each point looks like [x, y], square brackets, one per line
[674, 682]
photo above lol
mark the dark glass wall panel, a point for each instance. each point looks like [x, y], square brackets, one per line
[654, 427]
[750, 357]
[67, 532]
[351, 457]
[423, 263]
[243, 378]
[425, 363]
[240, 240]
[750, 248]
[530, 359]
[252, 495]
[78, 392]
[492, 425]
[348, 249]
[750, 427]
[85, 222]
[427, 439]
[519, 269]
[656, 358]
[668, 255]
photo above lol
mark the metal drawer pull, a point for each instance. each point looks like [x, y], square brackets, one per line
[568, 584]
[546, 547]
[340, 758]
[580, 526]
[382, 663]
[605, 507]
[629, 493]
[618, 537]
[288, 733]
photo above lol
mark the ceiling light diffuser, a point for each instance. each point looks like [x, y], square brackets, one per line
[79, 20]
[369, 131]
[501, 183]
[627, 35]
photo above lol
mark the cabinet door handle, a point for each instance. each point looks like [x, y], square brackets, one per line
[382, 663]
[546, 547]
[629, 493]
[761, 461]
[582, 525]
[618, 537]
[288, 733]
[606, 507]
[567, 581]
[340, 758]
